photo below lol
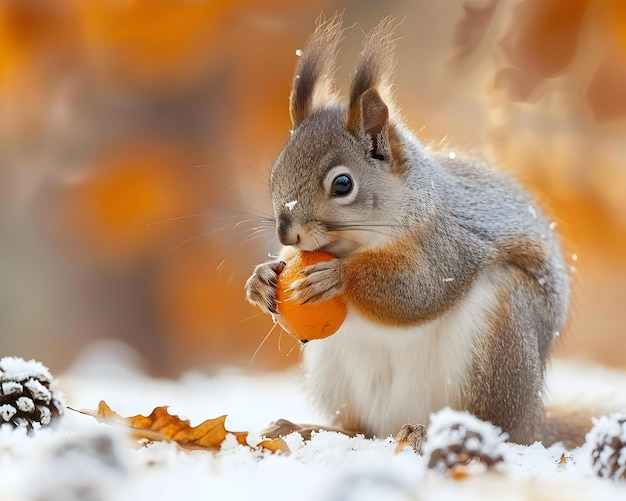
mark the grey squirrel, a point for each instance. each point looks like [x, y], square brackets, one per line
[455, 282]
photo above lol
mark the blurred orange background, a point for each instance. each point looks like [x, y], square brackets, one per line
[136, 137]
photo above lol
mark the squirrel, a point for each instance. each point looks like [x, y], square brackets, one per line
[454, 280]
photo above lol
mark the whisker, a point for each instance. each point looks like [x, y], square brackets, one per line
[221, 263]
[250, 317]
[263, 231]
[317, 242]
[261, 222]
[178, 218]
[378, 228]
[280, 337]
[262, 343]
[180, 245]
[360, 225]
[297, 343]
[265, 174]
[244, 221]
[346, 239]
[255, 235]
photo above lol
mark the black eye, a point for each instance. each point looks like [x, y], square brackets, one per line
[342, 185]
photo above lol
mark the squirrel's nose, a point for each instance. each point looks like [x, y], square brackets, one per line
[287, 234]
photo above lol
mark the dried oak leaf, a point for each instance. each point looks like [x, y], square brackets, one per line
[161, 425]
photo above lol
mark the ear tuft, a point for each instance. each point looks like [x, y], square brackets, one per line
[376, 65]
[313, 83]
[370, 92]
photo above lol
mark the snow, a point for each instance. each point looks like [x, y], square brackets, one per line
[7, 411]
[38, 390]
[608, 431]
[448, 427]
[25, 404]
[11, 387]
[84, 459]
[17, 369]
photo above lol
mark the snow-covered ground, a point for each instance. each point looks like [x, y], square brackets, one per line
[85, 460]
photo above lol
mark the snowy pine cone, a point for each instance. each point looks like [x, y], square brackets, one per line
[607, 441]
[458, 438]
[26, 399]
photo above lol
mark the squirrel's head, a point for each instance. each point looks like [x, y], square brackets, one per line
[337, 183]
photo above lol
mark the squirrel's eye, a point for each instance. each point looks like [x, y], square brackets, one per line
[342, 185]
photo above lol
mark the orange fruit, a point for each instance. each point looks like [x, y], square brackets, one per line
[311, 320]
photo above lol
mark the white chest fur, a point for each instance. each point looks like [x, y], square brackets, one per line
[377, 378]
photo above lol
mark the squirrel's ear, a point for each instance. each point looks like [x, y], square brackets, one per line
[368, 118]
[370, 91]
[312, 87]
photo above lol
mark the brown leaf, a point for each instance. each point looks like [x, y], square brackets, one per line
[283, 427]
[459, 473]
[563, 461]
[161, 425]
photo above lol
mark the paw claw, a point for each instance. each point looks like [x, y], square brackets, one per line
[319, 282]
[261, 286]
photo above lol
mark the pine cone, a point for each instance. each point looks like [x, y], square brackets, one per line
[459, 438]
[607, 441]
[26, 400]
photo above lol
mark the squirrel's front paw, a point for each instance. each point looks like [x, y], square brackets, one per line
[319, 282]
[261, 286]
